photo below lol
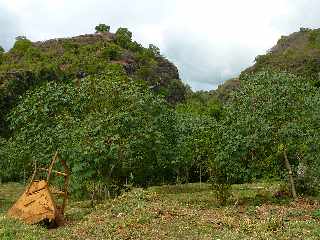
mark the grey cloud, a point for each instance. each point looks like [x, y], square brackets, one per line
[203, 65]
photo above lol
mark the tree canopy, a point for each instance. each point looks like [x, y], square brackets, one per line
[102, 28]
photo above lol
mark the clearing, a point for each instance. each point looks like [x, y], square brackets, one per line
[187, 211]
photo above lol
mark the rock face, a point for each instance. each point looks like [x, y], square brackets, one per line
[87, 39]
[224, 90]
[166, 69]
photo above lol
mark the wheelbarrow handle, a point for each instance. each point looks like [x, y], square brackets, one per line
[33, 176]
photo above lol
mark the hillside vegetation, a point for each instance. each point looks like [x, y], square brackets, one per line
[298, 53]
[28, 65]
[122, 119]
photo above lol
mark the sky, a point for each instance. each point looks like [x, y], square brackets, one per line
[210, 41]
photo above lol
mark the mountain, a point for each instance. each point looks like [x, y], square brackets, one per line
[30, 64]
[298, 53]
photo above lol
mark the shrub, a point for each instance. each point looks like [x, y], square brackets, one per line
[123, 37]
[154, 50]
[112, 52]
[314, 39]
[135, 47]
[1, 54]
[21, 45]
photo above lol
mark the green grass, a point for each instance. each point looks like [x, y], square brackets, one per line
[177, 212]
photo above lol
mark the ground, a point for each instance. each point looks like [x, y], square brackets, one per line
[177, 212]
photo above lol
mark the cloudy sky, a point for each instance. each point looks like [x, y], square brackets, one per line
[209, 40]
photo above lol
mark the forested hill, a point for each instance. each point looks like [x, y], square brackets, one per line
[30, 64]
[298, 53]
[103, 101]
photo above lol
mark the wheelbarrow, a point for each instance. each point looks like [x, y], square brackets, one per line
[39, 201]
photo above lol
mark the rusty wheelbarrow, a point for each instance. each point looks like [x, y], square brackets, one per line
[39, 201]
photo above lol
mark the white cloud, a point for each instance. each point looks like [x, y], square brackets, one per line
[210, 40]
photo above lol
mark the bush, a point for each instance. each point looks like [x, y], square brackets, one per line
[112, 52]
[123, 37]
[308, 170]
[154, 50]
[135, 47]
[222, 192]
[1, 54]
[21, 45]
[10, 168]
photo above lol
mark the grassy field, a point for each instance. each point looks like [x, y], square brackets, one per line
[177, 212]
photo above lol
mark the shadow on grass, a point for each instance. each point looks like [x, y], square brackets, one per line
[182, 188]
[259, 200]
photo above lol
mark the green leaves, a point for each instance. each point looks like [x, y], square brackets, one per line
[21, 45]
[102, 28]
[112, 52]
[123, 37]
[107, 128]
[270, 112]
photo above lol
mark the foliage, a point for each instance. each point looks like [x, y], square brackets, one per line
[135, 47]
[297, 53]
[112, 52]
[108, 128]
[202, 104]
[314, 38]
[28, 65]
[196, 124]
[102, 28]
[1, 54]
[123, 37]
[154, 49]
[270, 111]
[21, 45]
[15, 164]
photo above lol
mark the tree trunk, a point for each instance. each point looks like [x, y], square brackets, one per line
[291, 181]
[24, 176]
[200, 176]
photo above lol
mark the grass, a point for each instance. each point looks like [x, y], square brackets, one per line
[177, 212]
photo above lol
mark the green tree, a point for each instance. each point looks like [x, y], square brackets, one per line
[102, 28]
[1, 54]
[108, 128]
[124, 37]
[112, 52]
[266, 127]
[195, 126]
[154, 50]
[21, 45]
